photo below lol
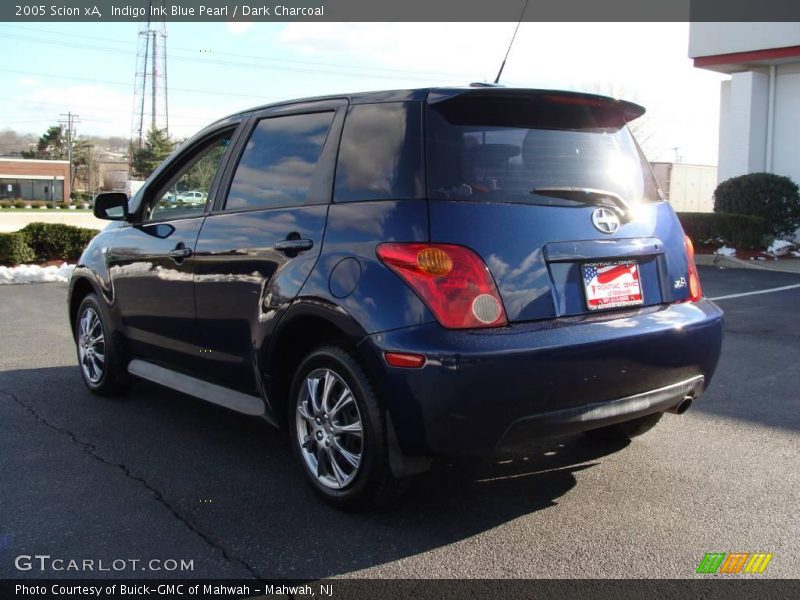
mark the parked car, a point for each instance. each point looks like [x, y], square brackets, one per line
[400, 276]
[192, 197]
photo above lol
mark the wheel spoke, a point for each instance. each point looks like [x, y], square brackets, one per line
[345, 399]
[341, 476]
[312, 385]
[308, 442]
[351, 458]
[303, 412]
[91, 370]
[98, 365]
[94, 322]
[326, 390]
[351, 429]
[320, 461]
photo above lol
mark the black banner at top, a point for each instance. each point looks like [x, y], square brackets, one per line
[400, 10]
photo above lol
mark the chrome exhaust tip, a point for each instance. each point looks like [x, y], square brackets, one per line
[682, 406]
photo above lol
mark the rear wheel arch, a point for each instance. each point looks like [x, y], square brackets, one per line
[303, 329]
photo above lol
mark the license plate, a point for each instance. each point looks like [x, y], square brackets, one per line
[612, 284]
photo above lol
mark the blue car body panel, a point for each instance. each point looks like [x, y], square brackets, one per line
[544, 372]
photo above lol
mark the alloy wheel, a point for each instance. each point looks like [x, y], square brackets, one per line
[329, 429]
[91, 345]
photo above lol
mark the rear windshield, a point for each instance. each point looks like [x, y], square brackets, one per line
[530, 149]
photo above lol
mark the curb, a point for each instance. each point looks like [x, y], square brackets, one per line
[729, 262]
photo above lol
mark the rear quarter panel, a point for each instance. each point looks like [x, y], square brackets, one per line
[378, 299]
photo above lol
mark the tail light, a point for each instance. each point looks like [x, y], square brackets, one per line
[451, 280]
[695, 292]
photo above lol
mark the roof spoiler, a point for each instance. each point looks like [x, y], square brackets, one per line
[629, 110]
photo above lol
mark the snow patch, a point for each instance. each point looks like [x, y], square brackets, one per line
[725, 251]
[35, 274]
[780, 247]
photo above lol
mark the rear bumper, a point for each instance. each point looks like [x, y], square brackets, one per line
[600, 414]
[483, 389]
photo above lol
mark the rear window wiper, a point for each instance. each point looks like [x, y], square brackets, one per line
[586, 196]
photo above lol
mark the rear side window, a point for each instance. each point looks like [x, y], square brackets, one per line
[520, 149]
[380, 155]
[278, 163]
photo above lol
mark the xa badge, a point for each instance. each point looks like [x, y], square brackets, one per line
[605, 220]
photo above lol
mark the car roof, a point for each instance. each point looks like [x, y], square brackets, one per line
[438, 94]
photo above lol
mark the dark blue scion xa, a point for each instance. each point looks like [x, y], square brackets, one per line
[399, 276]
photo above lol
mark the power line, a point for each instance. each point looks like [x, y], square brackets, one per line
[253, 56]
[94, 108]
[227, 63]
[127, 84]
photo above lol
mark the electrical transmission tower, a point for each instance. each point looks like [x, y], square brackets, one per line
[150, 106]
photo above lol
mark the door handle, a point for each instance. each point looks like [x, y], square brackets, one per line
[294, 245]
[180, 252]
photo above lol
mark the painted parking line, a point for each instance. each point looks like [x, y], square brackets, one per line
[756, 292]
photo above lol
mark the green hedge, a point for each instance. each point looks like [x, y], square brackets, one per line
[14, 249]
[774, 198]
[51, 241]
[17, 203]
[738, 231]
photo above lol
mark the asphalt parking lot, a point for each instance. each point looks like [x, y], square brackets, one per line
[160, 475]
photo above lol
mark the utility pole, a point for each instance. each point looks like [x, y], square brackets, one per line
[69, 122]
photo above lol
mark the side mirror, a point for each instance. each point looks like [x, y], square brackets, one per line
[111, 206]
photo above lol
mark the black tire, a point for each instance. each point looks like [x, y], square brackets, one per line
[372, 484]
[110, 381]
[622, 432]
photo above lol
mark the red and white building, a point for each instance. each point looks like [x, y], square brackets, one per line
[759, 124]
[27, 179]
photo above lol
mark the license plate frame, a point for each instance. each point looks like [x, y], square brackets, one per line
[612, 284]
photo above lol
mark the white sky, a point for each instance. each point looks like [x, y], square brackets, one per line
[218, 68]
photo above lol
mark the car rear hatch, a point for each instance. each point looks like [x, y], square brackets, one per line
[551, 190]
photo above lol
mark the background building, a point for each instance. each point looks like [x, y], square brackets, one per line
[113, 174]
[759, 126]
[26, 179]
[689, 188]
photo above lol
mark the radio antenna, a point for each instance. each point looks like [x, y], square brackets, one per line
[511, 43]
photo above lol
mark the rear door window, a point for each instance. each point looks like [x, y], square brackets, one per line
[278, 165]
[380, 155]
[527, 149]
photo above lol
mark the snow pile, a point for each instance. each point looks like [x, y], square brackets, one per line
[725, 251]
[35, 273]
[780, 247]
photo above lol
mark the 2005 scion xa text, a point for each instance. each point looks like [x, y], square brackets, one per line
[400, 276]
